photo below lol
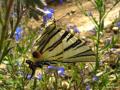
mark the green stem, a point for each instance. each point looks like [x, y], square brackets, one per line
[56, 81]
[97, 52]
[5, 25]
[34, 84]
[100, 28]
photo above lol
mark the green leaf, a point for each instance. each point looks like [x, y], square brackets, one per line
[19, 48]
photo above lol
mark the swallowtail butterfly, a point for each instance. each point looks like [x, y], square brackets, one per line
[58, 45]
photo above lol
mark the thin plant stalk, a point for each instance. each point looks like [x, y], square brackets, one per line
[56, 81]
[4, 32]
[4, 27]
[34, 84]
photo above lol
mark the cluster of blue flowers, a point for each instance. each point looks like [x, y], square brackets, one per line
[73, 27]
[39, 76]
[87, 87]
[60, 72]
[49, 12]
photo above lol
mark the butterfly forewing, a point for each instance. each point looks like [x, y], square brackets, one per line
[50, 52]
[60, 45]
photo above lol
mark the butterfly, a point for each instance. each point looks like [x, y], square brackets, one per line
[58, 45]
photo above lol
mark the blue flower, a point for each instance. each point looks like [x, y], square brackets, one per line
[18, 33]
[61, 71]
[48, 14]
[87, 87]
[29, 76]
[61, 1]
[51, 10]
[51, 67]
[39, 76]
[68, 27]
[45, 19]
[118, 24]
[95, 78]
[75, 28]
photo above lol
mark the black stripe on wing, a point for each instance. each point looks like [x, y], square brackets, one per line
[77, 42]
[80, 45]
[73, 45]
[86, 56]
[47, 32]
[88, 52]
[71, 36]
[56, 43]
[47, 39]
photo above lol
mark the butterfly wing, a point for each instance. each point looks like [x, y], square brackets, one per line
[57, 44]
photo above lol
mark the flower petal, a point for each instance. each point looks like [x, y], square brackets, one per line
[61, 71]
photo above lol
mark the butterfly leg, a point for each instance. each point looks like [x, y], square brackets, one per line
[32, 67]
